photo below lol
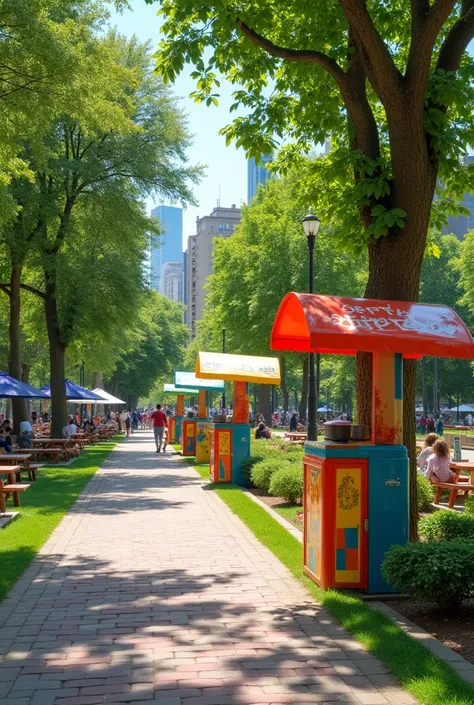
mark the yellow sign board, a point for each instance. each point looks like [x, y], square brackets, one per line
[243, 368]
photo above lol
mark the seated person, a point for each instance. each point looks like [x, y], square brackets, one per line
[26, 434]
[89, 426]
[70, 430]
[5, 447]
[422, 460]
[261, 431]
[438, 469]
[8, 431]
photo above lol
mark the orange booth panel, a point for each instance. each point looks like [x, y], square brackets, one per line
[221, 455]
[335, 522]
[171, 429]
[189, 437]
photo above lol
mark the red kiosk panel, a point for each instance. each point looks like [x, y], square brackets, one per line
[335, 516]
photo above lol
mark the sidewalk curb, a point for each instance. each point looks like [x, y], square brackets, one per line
[464, 669]
[286, 524]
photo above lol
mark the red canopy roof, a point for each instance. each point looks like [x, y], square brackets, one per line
[333, 324]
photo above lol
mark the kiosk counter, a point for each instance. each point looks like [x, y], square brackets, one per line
[195, 430]
[175, 422]
[356, 494]
[230, 442]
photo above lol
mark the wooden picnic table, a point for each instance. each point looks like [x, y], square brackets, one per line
[53, 453]
[296, 435]
[463, 485]
[9, 471]
[467, 465]
[20, 459]
[10, 488]
[65, 444]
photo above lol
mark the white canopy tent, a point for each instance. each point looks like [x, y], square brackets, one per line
[106, 397]
[463, 408]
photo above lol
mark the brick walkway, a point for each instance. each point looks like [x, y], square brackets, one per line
[152, 591]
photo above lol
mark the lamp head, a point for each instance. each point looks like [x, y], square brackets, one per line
[310, 223]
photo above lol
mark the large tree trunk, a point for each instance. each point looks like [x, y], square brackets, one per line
[284, 388]
[57, 355]
[424, 390]
[302, 410]
[264, 406]
[395, 262]
[19, 406]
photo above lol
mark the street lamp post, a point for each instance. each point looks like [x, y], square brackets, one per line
[311, 225]
[223, 350]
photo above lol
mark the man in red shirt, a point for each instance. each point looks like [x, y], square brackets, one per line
[160, 422]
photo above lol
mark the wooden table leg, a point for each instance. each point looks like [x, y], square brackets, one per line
[452, 497]
[438, 493]
[16, 499]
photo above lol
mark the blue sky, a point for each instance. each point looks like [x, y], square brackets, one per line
[226, 166]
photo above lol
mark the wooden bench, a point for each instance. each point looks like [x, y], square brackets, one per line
[8, 490]
[454, 489]
[53, 453]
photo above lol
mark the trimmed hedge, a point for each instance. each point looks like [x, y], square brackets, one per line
[426, 492]
[469, 506]
[288, 483]
[438, 571]
[446, 526]
[261, 473]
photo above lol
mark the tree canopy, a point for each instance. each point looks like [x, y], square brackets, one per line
[76, 236]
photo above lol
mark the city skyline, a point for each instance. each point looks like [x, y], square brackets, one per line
[169, 245]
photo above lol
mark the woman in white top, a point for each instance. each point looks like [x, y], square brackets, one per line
[422, 460]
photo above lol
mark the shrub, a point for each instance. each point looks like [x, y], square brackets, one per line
[469, 506]
[446, 526]
[276, 448]
[426, 492]
[247, 466]
[439, 571]
[262, 472]
[288, 483]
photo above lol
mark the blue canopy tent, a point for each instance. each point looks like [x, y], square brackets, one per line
[12, 388]
[74, 392]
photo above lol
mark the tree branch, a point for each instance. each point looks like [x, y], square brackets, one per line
[458, 38]
[6, 290]
[32, 290]
[425, 31]
[381, 70]
[308, 55]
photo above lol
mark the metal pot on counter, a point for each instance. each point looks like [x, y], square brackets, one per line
[343, 431]
[360, 432]
[337, 431]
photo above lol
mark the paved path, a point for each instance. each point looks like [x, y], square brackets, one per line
[152, 591]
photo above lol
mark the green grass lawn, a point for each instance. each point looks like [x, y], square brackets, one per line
[42, 508]
[426, 677]
[288, 512]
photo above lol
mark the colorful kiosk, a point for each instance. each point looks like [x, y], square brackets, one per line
[174, 422]
[356, 494]
[230, 442]
[195, 431]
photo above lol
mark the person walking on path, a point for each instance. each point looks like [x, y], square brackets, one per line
[160, 422]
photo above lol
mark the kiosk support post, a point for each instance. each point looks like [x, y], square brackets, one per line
[241, 403]
[202, 404]
[387, 399]
[180, 405]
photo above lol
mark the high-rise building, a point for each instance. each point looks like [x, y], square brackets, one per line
[169, 247]
[221, 223]
[185, 285]
[461, 224]
[171, 281]
[257, 174]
